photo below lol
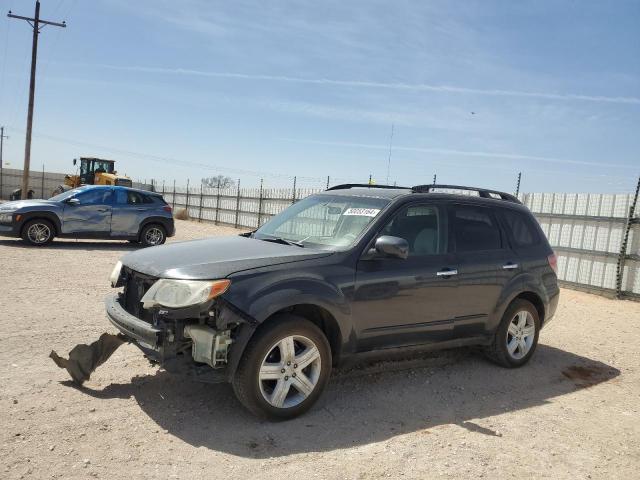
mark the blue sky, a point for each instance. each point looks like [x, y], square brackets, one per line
[248, 89]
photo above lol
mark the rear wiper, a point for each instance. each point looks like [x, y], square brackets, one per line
[284, 241]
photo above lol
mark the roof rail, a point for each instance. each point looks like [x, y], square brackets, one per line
[483, 192]
[346, 186]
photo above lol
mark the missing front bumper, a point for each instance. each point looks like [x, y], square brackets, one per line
[204, 357]
[134, 328]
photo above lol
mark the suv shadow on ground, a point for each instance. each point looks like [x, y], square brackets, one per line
[365, 404]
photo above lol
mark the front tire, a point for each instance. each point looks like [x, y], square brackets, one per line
[38, 232]
[284, 369]
[516, 339]
[153, 235]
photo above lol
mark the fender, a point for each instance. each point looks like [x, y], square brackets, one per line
[52, 217]
[262, 295]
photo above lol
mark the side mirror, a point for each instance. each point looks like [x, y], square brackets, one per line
[392, 247]
[73, 201]
[75, 161]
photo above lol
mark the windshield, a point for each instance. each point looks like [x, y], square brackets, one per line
[67, 194]
[323, 221]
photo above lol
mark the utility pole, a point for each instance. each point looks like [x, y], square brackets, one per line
[2, 137]
[36, 24]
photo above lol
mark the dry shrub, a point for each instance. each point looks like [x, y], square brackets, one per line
[182, 214]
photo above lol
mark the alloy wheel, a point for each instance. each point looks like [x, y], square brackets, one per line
[521, 334]
[154, 236]
[290, 371]
[39, 233]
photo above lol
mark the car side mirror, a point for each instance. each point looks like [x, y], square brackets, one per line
[73, 201]
[389, 246]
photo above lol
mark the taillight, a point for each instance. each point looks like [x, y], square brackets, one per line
[167, 208]
[553, 262]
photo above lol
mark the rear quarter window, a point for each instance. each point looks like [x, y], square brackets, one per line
[522, 230]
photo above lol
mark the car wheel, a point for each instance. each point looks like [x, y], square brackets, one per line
[153, 235]
[516, 339]
[38, 232]
[284, 368]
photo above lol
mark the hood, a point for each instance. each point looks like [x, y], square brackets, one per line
[212, 258]
[25, 204]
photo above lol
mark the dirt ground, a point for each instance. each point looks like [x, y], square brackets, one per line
[573, 412]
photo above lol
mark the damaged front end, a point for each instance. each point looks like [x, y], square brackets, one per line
[195, 339]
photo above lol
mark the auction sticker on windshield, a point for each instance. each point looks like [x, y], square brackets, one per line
[362, 212]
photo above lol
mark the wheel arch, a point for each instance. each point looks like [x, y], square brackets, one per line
[161, 221]
[51, 217]
[320, 317]
[534, 299]
[316, 314]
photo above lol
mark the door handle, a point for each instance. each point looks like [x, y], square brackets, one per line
[446, 273]
[141, 209]
[510, 266]
[103, 209]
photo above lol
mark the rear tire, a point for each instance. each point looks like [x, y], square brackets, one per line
[153, 235]
[516, 338]
[284, 369]
[38, 232]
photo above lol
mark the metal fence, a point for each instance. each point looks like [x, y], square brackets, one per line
[596, 236]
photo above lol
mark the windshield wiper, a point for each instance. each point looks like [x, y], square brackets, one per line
[284, 241]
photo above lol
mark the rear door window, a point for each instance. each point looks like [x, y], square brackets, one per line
[474, 229]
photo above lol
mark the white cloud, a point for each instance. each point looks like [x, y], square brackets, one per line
[378, 85]
[462, 153]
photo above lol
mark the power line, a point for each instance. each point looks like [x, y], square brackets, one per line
[175, 161]
[36, 24]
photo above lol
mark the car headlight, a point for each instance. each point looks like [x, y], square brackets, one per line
[183, 293]
[115, 274]
[6, 217]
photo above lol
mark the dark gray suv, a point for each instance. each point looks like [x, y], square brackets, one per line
[92, 211]
[336, 276]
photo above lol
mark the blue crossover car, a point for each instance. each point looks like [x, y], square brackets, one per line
[92, 211]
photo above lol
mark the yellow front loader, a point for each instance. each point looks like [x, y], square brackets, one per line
[94, 171]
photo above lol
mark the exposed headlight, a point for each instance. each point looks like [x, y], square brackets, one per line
[183, 293]
[115, 274]
[6, 217]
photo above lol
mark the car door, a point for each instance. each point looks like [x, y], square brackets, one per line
[399, 302]
[88, 213]
[485, 265]
[129, 210]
